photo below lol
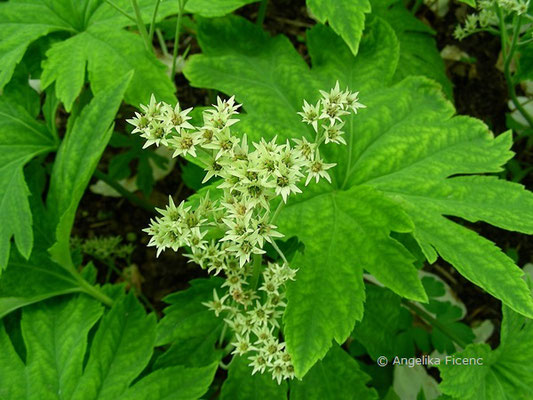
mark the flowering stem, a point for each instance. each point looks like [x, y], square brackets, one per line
[279, 251]
[141, 26]
[222, 334]
[152, 24]
[434, 322]
[256, 271]
[161, 41]
[261, 13]
[508, 50]
[123, 191]
[89, 289]
[177, 38]
[278, 209]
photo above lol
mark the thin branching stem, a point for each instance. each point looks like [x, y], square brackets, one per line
[152, 23]
[177, 37]
[121, 10]
[508, 50]
[261, 13]
[141, 26]
[429, 319]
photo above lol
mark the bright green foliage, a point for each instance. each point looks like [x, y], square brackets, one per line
[337, 376]
[175, 383]
[471, 3]
[186, 313]
[447, 314]
[380, 330]
[37, 278]
[21, 139]
[121, 348]
[107, 51]
[108, 54]
[387, 328]
[190, 326]
[330, 286]
[525, 63]
[21, 23]
[209, 8]
[56, 346]
[394, 176]
[242, 385]
[418, 49]
[55, 336]
[507, 372]
[76, 161]
[346, 18]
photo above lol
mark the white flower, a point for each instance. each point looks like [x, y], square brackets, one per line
[175, 117]
[156, 133]
[286, 180]
[217, 304]
[334, 97]
[334, 134]
[258, 363]
[184, 144]
[352, 101]
[153, 110]
[310, 114]
[242, 345]
[317, 170]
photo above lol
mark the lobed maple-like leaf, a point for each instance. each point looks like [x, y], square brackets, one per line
[104, 49]
[504, 373]
[398, 174]
[346, 18]
[61, 363]
[242, 385]
[21, 139]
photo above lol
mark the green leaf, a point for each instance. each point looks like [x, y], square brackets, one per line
[471, 3]
[96, 42]
[379, 330]
[108, 54]
[19, 91]
[525, 63]
[374, 65]
[242, 385]
[210, 9]
[58, 365]
[337, 376]
[175, 383]
[406, 146]
[506, 373]
[346, 17]
[120, 350]
[329, 285]
[55, 333]
[29, 281]
[418, 49]
[76, 160]
[21, 23]
[11, 369]
[187, 317]
[21, 139]
[38, 278]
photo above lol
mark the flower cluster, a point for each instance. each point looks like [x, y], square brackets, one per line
[487, 17]
[226, 232]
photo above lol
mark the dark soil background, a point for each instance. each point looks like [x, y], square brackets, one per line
[479, 91]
